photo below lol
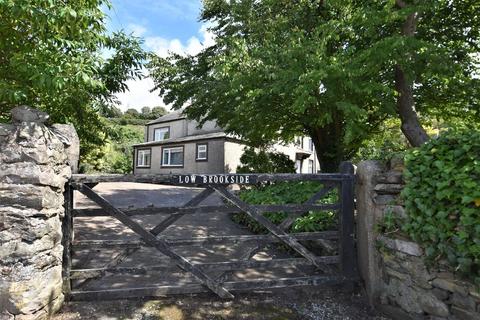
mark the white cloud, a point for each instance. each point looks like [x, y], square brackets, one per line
[136, 29]
[139, 94]
[194, 45]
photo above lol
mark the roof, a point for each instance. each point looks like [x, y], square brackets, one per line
[206, 136]
[175, 115]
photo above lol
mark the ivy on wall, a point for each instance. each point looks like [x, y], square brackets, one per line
[442, 199]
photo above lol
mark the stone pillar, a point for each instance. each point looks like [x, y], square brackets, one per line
[34, 167]
[367, 217]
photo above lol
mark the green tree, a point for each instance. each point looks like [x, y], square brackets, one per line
[264, 161]
[132, 113]
[158, 112]
[146, 112]
[333, 70]
[51, 58]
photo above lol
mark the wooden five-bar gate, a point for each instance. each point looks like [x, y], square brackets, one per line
[331, 269]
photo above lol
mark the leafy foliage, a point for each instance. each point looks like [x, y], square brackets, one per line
[442, 198]
[285, 193]
[383, 143]
[116, 156]
[51, 57]
[327, 69]
[265, 161]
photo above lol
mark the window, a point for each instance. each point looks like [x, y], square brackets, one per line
[310, 144]
[202, 152]
[298, 166]
[143, 157]
[310, 166]
[160, 134]
[172, 157]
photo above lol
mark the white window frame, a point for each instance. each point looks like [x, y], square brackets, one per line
[197, 155]
[167, 133]
[141, 158]
[169, 151]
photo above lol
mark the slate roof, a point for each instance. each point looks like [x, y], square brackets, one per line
[206, 136]
[175, 115]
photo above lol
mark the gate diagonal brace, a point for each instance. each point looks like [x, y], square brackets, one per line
[159, 244]
[276, 231]
[119, 258]
[284, 226]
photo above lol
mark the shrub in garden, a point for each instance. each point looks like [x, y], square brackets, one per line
[442, 199]
[264, 161]
[288, 193]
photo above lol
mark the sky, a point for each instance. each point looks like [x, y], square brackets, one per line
[165, 25]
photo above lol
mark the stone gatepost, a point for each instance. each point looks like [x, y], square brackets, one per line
[35, 163]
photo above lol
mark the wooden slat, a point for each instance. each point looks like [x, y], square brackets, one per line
[99, 212]
[161, 291]
[277, 232]
[192, 203]
[320, 194]
[160, 245]
[77, 274]
[181, 211]
[117, 260]
[172, 179]
[202, 241]
[287, 223]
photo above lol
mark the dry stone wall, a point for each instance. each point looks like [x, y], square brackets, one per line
[35, 163]
[393, 267]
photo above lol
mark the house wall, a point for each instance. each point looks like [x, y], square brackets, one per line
[214, 163]
[209, 126]
[291, 150]
[233, 152]
[178, 128]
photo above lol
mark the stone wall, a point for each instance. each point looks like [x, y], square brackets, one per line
[397, 280]
[35, 163]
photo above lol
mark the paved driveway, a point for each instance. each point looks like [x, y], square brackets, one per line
[300, 303]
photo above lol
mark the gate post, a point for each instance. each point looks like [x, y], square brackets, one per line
[67, 230]
[348, 261]
[35, 164]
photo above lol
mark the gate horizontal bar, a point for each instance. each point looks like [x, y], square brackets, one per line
[161, 291]
[77, 274]
[170, 179]
[200, 241]
[289, 208]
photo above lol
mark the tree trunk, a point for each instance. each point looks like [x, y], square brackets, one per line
[411, 126]
[328, 141]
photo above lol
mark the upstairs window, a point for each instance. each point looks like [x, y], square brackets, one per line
[143, 157]
[160, 134]
[172, 157]
[202, 152]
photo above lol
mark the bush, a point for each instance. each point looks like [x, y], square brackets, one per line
[264, 161]
[442, 198]
[288, 193]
